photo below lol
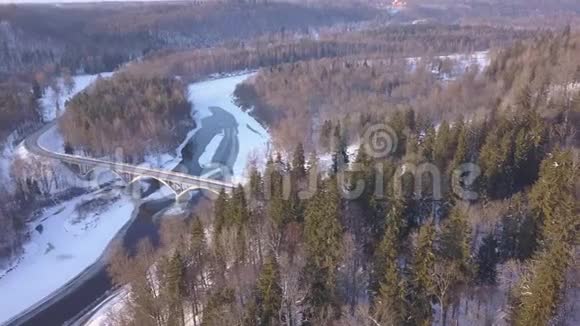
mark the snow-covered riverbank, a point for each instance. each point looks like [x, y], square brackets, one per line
[65, 240]
[253, 137]
[48, 113]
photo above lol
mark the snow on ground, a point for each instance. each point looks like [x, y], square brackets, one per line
[65, 240]
[253, 137]
[7, 157]
[325, 161]
[48, 112]
[52, 140]
[206, 158]
[48, 100]
[112, 306]
[463, 60]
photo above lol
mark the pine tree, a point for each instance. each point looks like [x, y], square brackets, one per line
[277, 206]
[299, 163]
[422, 268]
[537, 297]
[269, 293]
[518, 236]
[454, 241]
[256, 184]
[367, 174]
[220, 211]
[175, 289]
[198, 252]
[553, 198]
[453, 267]
[197, 242]
[461, 154]
[555, 205]
[340, 157]
[239, 213]
[399, 124]
[486, 260]
[441, 152]
[326, 135]
[218, 307]
[428, 144]
[496, 160]
[528, 149]
[323, 240]
[390, 305]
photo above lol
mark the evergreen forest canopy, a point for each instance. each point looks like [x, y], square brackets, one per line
[262, 256]
[492, 238]
[541, 75]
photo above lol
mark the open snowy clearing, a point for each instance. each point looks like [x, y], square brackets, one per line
[463, 62]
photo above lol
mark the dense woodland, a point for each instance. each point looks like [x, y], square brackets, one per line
[97, 38]
[42, 44]
[309, 96]
[20, 114]
[291, 248]
[18, 107]
[139, 115]
[491, 243]
[390, 42]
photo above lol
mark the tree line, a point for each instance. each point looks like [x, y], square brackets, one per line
[262, 257]
[306, 95]
[95, 39]
[382, 42]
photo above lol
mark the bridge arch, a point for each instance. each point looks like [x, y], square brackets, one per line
[128, 180]
[163, 182]
[193, 188]
[107, 170]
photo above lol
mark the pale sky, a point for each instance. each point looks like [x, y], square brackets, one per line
[73, 1]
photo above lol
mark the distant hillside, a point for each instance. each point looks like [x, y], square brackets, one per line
[97, 38]
[523, 13]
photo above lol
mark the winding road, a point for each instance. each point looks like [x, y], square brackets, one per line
[69, 303]
[179, 182]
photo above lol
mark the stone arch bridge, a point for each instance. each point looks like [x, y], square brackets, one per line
[179, 183]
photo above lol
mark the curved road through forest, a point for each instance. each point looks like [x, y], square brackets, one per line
[69, 303]
[188, 180]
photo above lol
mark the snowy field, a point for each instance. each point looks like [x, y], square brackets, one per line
[65, 240]
[253, 137]
[463, 62]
